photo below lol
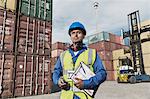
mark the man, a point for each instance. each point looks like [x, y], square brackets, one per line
[70, 59]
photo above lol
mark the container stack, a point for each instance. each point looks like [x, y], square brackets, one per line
[105, 43]
[145, 39]
[25, 47]
[57, 49]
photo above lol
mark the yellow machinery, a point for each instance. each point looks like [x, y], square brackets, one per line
[124, 70]
[127, 73]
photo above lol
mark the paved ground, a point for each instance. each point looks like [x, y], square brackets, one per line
[111, 90]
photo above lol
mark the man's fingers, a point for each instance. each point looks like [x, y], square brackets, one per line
[77, 78]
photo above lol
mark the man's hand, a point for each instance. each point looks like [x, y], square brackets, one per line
[62, 84]
[79, 83]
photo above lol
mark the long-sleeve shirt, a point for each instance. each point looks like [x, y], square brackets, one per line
[93, 82]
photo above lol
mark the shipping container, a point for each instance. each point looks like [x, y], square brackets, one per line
[6, 74]
[106, 45]
[145, 47]
[101, 45]
[145, 35]
[37, 8]
[105, 55]
[110, 76]
[33, 36]
[25, 48]
[57, 52]
[41, 9]
[120, 53]
[7, 26]
[33, 75]
[145, 23]
[108, 65]
[10, 4]
[147, 70]
[60, 45]
[146, 60]
[102, 36]
[116, 39]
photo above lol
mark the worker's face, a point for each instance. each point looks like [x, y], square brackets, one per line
[76, 35]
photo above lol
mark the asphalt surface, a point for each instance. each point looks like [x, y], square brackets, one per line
[111, 90]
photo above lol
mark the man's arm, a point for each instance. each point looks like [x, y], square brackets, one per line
[100, 75]
[57, 71]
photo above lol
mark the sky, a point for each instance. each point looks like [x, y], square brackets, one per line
[110, 15]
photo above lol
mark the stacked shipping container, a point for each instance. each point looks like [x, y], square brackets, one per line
[6, 52]
[103, 36]
[104, 49]
[57, 48]
[25, 35]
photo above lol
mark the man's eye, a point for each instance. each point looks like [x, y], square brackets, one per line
[72, 32]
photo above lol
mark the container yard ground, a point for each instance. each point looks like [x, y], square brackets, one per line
[111, 90]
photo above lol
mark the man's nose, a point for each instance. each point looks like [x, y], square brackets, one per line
[76, 34]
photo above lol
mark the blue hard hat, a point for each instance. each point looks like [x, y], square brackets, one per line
[77, 25]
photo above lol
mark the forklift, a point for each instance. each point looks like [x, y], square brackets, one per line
[125, 71]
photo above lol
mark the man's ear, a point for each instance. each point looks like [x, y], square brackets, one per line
[83, 36]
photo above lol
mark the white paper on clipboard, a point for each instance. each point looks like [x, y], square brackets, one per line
[83, 72]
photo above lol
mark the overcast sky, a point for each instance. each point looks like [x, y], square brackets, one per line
[111, 15]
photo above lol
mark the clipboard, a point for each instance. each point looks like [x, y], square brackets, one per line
[83, 72]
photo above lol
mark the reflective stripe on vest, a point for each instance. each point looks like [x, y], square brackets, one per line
[88, 57]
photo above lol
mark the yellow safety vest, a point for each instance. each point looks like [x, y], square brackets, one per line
[88, 57]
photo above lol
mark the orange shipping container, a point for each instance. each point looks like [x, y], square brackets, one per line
[57, 52]
[34, 36]
[33, 75]
[106, 45]
[105, 55]
[110, 76]
[7, 25]
[60, 45]
[101, 45]
[116, 39]
[108, 65]
[6, 74]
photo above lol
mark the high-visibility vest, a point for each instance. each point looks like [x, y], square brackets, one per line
[88, 57]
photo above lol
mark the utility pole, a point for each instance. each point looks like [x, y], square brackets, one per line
[96, 5]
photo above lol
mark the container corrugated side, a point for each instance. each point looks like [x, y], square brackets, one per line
[33, 75]
[37, 8]
[145, 47]
[60, 45]
[10, 4]
[110, 76]
[108, 65]
[7, 26]
[56, 53]
[146, 59]
[34, 36]
[102, 36]
[119, 53]
[105, 55]
[6, 74]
